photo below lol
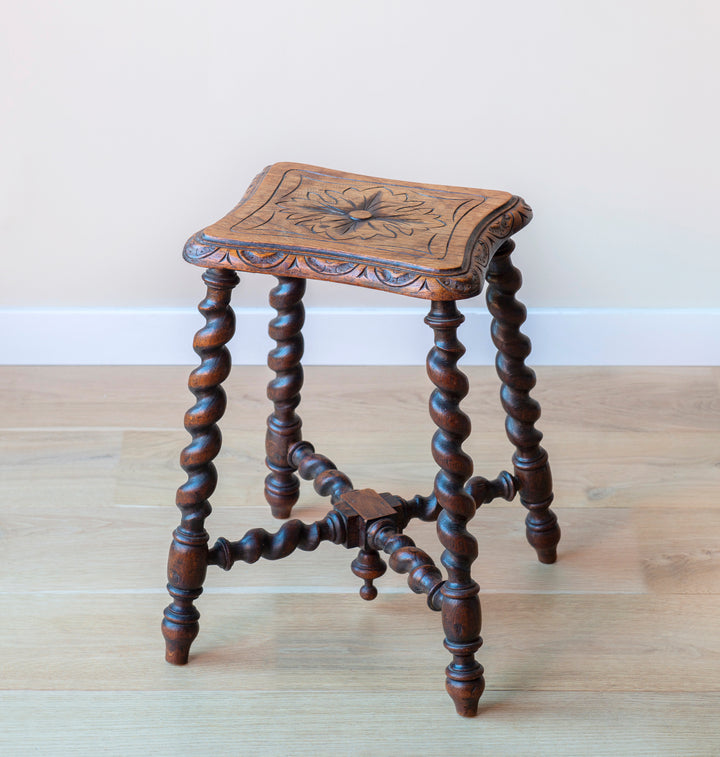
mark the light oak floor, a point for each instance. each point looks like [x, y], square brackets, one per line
[615, 650]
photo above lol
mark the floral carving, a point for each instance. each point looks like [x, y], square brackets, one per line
[360, 214]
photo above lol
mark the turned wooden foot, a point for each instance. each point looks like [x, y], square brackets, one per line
[186, 567]
[188, 560]
[460, 602]
[466, 694]
[530, 460]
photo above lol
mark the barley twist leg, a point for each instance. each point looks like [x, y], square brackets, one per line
[187, 563]
[530, 460]
[460, 601]
[282, 486]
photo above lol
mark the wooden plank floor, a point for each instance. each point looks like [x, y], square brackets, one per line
[615, 650]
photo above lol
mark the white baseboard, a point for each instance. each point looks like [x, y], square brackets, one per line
[352, 336]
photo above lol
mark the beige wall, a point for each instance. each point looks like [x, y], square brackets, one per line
[128, 125]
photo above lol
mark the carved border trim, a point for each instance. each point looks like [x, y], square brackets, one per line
[405, 279]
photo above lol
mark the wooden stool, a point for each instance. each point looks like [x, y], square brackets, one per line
[437, 243]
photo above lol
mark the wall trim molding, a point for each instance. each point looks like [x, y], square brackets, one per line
[358, 336]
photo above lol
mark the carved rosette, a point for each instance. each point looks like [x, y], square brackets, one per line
[354, 213]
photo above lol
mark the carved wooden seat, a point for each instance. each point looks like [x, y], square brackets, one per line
[426, 241]
[434, 242]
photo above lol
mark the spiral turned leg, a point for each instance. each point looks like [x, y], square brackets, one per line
[530, 460]
[187, 563]
[282, 486]
[460, 601]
